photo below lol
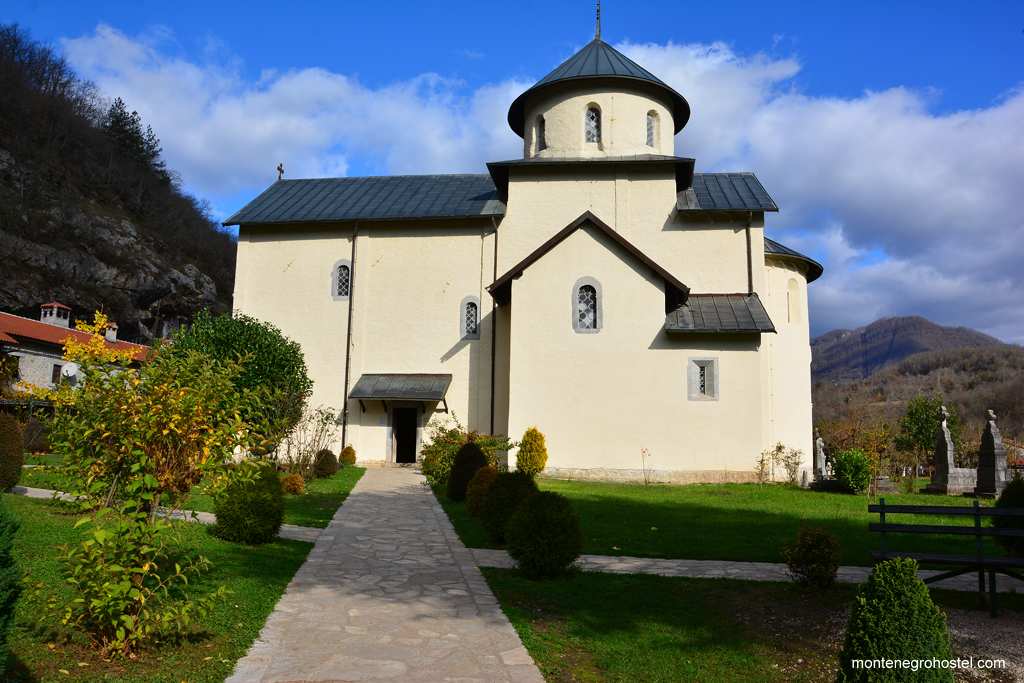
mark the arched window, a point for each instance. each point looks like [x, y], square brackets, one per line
[542, 139]
[586, 305]
[341, 280]
[793, 301]
[592, 123]
[469, 317]
[652, 128]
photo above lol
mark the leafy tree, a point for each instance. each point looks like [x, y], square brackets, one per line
[267, 360]
[920, 423]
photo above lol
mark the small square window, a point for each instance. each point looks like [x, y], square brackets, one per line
[702, 379]
[55, 375]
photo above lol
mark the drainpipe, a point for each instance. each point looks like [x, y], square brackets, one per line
[494, 319]
[750, 255]
[348, 335]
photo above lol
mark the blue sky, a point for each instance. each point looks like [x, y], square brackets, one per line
[891, 134]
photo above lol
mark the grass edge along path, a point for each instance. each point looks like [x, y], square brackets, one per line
[740, 522]
[256, 575]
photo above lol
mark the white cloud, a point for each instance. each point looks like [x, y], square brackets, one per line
[910, 211]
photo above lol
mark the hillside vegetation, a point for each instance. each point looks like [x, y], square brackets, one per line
[89, 214]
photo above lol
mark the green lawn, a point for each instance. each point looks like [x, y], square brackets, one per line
[611, 627]
[315, 508]
[723, 521]
[257, 577]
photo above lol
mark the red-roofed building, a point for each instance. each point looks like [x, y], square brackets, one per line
[39, 344]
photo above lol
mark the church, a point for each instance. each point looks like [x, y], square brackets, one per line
[597, 288]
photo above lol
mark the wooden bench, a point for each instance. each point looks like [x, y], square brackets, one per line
[965, 564]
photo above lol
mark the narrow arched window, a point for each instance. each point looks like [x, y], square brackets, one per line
[592, 123]
[587, 315]
[793, 301]
[469, 318]
[341, 280]
[542, 139]
[652, 128]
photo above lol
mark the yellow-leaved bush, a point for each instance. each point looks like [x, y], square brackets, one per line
[532, 456]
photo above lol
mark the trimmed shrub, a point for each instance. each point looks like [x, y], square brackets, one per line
[506, 493]
[445, 438]
[813, 558]
[293, 484]
[532, 455]
[10, 580]
[348, 456]
[1011, 497]
[893, 617]
[852, 470]
[468, 460]
[250, 511]
[544, 535]
[479, 485]
[325, 464]
[12, 451]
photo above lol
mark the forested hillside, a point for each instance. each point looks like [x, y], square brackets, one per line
[89, 213]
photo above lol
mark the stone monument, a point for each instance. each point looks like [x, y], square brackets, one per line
[947, 477]
[820, 473]
[992, 473]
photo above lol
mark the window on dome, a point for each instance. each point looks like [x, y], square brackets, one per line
[592, 124]
[652, 128]
[541, 133]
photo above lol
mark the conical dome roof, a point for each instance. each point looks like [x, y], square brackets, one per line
[598, 59]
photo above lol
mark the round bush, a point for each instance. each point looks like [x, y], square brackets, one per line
[293, 484]
[12, 451]
[1011, 497]
[269, 360]
[532, 455]
[478, 487]
[893, 617]
[506, 493]
[813, 558]
[325, 464]
[250, 511]
[852, 470]
[468, 460]
[348, 456]
[544, 535]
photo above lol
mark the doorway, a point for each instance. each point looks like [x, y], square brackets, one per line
[404, 423]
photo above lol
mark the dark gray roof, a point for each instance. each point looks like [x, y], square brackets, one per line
[719, 313]
[427, 197]
[420, 387]
[373, 198]
[598, 59]
[726, 192]
[814, 269]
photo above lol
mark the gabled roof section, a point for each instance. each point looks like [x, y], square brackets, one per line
[773, 248]
[719, 314]
[501, 289]
[599, 60]
[15, 329]
[373, 198]
[725, 192]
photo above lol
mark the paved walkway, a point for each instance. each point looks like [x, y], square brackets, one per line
[388, 592]
[726, 569]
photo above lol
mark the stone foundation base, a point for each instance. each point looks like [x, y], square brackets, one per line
[958, 481]
[653, 476]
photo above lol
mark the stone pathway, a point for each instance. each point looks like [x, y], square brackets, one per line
[388, 592]
[726, 569]
[289, 531]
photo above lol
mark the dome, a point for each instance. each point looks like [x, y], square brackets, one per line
[599, 60]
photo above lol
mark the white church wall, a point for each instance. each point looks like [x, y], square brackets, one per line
[600, 398]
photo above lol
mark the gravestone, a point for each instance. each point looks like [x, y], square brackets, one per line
[947, 478]
[819, 457]
[992, 474]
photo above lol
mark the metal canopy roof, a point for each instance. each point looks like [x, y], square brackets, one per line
[725, 192]
[598, 59]
[720, 313]
[773, 248]
[407, 387]
[373, 198]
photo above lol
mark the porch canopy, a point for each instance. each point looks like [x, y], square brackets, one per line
[401, 387]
